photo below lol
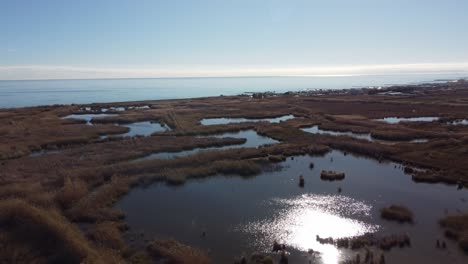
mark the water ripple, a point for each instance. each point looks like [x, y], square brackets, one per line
[297, 221]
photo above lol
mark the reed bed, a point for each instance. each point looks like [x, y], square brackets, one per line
[50, 195]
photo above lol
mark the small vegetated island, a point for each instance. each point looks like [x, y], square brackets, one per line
[397, 213]
[332, 175]
[64, 167]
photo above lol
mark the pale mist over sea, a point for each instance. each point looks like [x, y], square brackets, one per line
[47, 92]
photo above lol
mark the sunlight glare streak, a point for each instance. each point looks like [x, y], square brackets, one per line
[301, 219]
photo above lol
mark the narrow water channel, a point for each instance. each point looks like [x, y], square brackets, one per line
[224, 120]
[395, 120]
[363, 136]
[253, 140]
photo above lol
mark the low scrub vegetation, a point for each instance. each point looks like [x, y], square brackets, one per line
[46, 232]
[31, 192]
[332, 175]
[71, 192]
[108, 235]
[367, 240]
[95, 207]
[173, 252]
[456, 228]
[397, 213]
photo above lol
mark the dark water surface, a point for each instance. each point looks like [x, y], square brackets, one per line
[253, 140]
[364, 136]
[225, 121]
[243, 215]
[88, 117]
[317, 130]
[145, 128]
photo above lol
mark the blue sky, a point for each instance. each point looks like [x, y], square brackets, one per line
[149, 38]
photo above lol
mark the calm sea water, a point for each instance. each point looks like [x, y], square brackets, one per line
[46, 92]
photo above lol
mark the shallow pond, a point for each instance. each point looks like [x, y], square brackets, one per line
[116, 109]
[223, 120]
[44, 152]
[122, 109]
[364, 136]
[243, 215]
[395, 120]
[317, 130]
[88, 117]
[459, 122]
[253, 140]
[145, 128]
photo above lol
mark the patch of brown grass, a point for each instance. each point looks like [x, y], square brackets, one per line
[404, 134]
[107, 235]
[45, 231]
[332, 175]
[178, 176]
[71, 192]
[457, 228]
[96, 206]
[397, 213]
[32, 192]
[174, 252]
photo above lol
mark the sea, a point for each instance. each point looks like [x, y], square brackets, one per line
[24, 93]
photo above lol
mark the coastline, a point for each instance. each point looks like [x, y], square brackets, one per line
[49, 92]
[84, 174]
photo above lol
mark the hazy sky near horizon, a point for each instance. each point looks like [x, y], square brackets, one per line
[148, 38]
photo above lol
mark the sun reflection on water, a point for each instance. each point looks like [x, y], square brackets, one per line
[298, 221]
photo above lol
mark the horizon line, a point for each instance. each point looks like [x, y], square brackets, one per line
[56, 72]
[461, 73]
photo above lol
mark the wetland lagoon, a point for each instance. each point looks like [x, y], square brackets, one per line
[371, 177]
[229, 216]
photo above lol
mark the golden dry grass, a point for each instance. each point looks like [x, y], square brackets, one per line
[108, 235]
[176, 253]
[71, 192]
[31, 192]
[46, 232]
[97, 205]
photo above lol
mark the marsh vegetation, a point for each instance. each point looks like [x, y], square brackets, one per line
[397, 213]
[61, 179]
